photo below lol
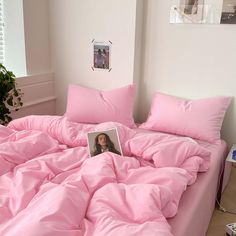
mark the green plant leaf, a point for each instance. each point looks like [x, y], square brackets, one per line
[10, 95]
[10, 101]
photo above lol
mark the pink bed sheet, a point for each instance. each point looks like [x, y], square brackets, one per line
[198, 202]
[50, 186]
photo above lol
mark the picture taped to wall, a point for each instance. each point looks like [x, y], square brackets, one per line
[104, 141]
[203, 11]
[228, 15]
[187, 11]
[101, 55]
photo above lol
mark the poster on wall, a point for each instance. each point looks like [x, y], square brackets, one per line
[203, 11]
[101, 55]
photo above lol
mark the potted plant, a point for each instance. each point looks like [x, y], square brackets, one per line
[10, 96]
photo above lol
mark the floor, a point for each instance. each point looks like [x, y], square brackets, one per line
[228, 202]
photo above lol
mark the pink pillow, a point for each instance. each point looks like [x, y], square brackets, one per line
[201, 119]
[86, 105]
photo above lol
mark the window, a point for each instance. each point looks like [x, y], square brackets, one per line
[14, 38]
[1, 33]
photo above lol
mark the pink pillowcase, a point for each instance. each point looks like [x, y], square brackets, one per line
[201, 119]
[85, 105]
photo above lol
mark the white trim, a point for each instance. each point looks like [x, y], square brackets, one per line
[35, 79]
[34, 103]
[38, 101]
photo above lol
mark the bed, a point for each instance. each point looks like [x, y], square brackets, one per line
[164, 184]
[47, 186]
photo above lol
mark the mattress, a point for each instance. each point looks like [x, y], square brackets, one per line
[198, 202]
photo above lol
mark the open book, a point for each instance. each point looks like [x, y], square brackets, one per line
[104, 141]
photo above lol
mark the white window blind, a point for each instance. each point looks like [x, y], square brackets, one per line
[1, 33]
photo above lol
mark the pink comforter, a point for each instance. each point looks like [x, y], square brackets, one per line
[50, 186]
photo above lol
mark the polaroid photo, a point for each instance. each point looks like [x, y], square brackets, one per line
[101, 55]
[104, 141]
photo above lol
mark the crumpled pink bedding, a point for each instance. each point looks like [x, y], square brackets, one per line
[50, 186]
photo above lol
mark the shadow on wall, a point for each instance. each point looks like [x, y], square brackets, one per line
[228, 131]
[143, 103]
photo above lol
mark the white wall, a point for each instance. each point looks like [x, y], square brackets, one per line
[38, 82]
[36, 23]
[74, 25]
[187, 60]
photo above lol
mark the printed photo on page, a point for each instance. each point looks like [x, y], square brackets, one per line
[104, 141]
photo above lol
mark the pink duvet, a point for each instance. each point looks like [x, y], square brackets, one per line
[50, 186]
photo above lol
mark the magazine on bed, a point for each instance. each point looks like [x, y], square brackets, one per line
[104, 141]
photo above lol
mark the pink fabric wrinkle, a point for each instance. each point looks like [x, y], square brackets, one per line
[5, 133]
[53, 220]
[122, 213]
[50, 185]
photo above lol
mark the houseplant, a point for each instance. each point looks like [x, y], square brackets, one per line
[10, 96]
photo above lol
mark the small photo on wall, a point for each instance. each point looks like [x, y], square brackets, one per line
[203, 11]
[187, 11]
[228, 15]
[191, 7]
[101, 55]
